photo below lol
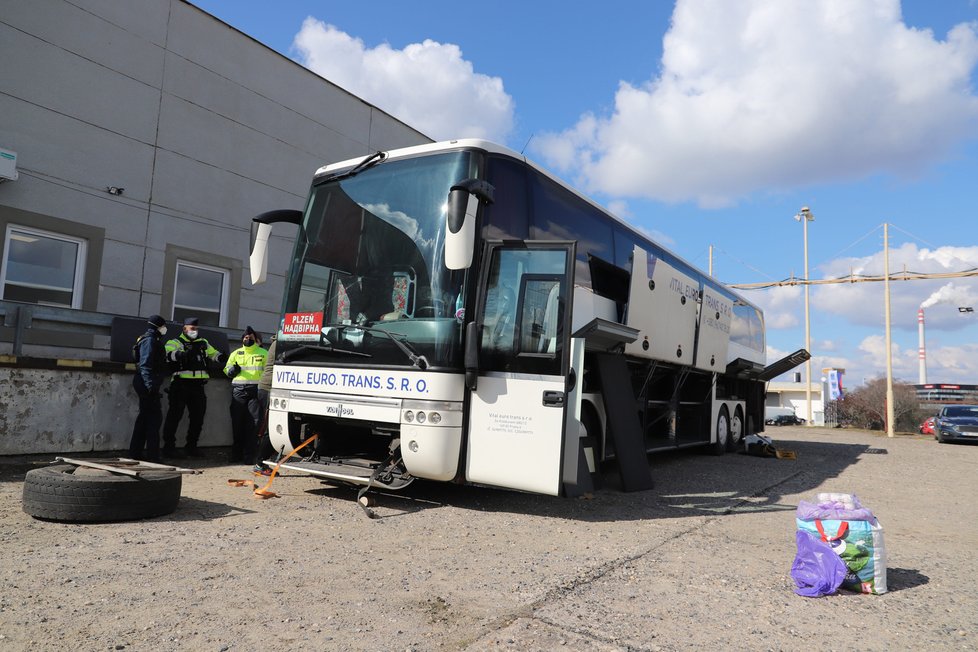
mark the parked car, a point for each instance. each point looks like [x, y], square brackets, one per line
[957, 423]
[927, 427]
[785, 420]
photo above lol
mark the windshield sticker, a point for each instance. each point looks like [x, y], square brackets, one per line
[299, 326]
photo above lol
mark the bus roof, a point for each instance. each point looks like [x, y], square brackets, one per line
[494, 148]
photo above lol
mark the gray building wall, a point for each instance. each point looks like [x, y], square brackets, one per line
[202, 126]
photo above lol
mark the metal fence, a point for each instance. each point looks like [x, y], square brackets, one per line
[37, 331]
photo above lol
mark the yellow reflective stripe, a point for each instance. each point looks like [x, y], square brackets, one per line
[191, 374]
[242, 381]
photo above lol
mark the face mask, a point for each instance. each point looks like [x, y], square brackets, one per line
[162, 330]
[248, 341]
[192, 335]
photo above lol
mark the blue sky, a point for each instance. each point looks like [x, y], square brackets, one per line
[707, 122]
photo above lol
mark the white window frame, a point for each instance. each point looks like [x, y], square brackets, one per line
[225, 289]
[81, 259]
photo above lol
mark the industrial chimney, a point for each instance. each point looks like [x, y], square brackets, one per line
[921, 350]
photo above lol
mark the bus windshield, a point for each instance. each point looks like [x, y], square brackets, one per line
[369, 257]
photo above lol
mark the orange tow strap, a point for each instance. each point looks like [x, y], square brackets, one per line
[263, 492]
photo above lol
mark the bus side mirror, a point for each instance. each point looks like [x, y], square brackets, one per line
[258, 258]
[471, 358]
[460, 219]
[261, 231]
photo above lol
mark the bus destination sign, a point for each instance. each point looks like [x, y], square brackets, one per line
[302, 326]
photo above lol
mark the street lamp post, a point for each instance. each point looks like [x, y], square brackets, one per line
[805, 216]
[890, 412]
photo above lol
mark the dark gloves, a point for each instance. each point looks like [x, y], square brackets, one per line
[234, 370]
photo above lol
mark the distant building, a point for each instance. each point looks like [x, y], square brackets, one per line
[936, 395]
[791, 396]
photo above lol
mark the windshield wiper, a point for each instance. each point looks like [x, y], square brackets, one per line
[401, 342]
[368, 162]
[309, 348]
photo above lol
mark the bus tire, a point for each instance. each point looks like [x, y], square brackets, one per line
[736, 430]
[57, 493]
[722, 432]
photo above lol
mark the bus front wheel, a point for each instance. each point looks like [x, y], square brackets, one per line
[722, 432]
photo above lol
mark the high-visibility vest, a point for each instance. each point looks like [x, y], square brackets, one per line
[192, 365]
[251, 359]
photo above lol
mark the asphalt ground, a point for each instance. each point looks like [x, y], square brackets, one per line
[702, 560]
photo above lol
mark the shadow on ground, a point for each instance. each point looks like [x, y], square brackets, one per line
[687, 483]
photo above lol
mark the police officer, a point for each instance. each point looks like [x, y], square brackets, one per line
[265, 449]
[188, 353]
[244, 368]
[147, 381]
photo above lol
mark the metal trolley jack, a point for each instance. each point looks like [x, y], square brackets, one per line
[388, 474]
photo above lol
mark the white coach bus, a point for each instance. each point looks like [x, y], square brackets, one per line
[455, 313]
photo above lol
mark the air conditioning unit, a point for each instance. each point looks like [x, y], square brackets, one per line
[8, 165]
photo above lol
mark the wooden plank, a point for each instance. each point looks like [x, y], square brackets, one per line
[102, 467]
[127, 466]
[153, 466]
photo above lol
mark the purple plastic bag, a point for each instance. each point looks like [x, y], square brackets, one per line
[817, 570]
[829, 510]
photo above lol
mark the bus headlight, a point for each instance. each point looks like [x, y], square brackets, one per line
[421, 417]
[434, 418]
[409, 416]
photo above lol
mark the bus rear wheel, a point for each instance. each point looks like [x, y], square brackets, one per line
[736, 430]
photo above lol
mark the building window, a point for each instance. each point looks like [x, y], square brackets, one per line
[43, 267]
[201, 291]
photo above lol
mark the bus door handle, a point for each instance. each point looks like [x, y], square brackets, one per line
[552, 398]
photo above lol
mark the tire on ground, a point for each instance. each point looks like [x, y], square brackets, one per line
[58, 493]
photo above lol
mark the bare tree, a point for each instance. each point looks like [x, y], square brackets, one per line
[865, 407]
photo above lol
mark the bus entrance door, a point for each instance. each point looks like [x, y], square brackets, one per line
[526, 398]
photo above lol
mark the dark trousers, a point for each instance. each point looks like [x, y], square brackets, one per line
[189, 395]
[245, 417]
[265, 450]
[146, 431]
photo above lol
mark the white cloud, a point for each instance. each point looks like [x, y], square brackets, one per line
[826, 345]
[777, 94]
[952, 364]
[428, 85]
[945, 364]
